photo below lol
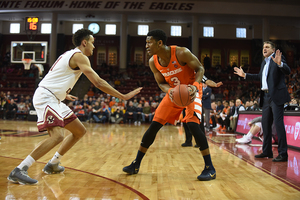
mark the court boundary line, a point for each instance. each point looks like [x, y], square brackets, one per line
[90, 173]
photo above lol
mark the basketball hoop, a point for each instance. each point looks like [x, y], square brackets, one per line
[27, 63]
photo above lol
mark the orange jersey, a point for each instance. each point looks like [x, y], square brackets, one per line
[175, 73]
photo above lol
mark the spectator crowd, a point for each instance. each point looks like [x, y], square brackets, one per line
[98, 107]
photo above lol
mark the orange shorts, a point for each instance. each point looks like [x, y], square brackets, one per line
[168, 112]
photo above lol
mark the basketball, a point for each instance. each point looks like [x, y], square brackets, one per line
[181, 95]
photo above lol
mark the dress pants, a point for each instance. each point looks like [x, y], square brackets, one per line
[271, 112]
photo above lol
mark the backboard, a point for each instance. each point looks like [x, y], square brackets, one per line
[37, 51]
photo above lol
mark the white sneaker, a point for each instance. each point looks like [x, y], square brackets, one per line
[244, 140]
[135, 123]
[139, 123]
[218, 125]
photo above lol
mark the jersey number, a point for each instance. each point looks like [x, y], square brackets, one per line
[175, 80]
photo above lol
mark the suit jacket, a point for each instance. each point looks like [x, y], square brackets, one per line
[232, 111]
[276, 81]
[206, 101]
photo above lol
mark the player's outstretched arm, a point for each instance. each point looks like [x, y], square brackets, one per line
[211, 83]
[83, 63]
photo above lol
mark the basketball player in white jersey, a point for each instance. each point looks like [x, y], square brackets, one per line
[53, 114]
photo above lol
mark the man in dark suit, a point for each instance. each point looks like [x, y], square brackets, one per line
[206, 104]
[274, 95]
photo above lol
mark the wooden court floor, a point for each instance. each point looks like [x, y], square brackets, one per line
[168, 171]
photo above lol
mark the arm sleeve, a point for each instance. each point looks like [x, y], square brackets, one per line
[257, 119]
[204, 79]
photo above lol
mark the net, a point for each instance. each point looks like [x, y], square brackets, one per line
[27, 63]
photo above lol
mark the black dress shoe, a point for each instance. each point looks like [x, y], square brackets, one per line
[197, 146]
[186, 144]
[280, 158]
[262, 155]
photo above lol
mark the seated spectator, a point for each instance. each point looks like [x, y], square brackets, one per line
[223, 117]
[220, 106]
[112, 102]
[12, 109]
[3, 106]
[153, 109]
[8, 96]
[120, 102]
[213, 113]
[293, 105]
[247, 106]
[256, 129]
[147, 112]
[28, 99]
[21, 107]
[16, 98]
[97, 113]
[135, 102]
[255, 106]
[130, 112]
[106, 111]
[83, 112]
[90, 93]
[231, 112]
[117, 116]
[85, 99]
[22, 110]
[139, 111]
[142, 100]
[150, 100]
[238, 107]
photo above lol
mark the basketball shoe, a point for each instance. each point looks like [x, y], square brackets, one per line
[132, 168]
[207, 174]
[246, 139]
[53, 168]
[21, 176]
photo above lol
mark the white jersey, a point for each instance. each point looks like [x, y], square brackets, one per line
[61, 78]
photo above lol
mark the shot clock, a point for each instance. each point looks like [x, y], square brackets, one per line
[31, 23]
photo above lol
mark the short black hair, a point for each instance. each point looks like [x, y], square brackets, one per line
[271, 43]
[81, 34]
[158, 34]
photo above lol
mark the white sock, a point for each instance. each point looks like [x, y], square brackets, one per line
[249, 134]
[56, 158]
[27, 161]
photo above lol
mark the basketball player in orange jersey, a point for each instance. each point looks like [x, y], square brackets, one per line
[172, 65]
[53, 114]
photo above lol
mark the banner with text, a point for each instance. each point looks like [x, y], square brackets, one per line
[180, 6]
[292, 127]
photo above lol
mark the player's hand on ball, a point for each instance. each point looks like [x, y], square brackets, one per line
[193, 92]
[171, 94]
